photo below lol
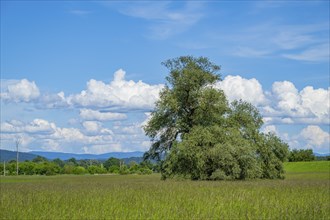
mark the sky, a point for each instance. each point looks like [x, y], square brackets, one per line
[83, 76]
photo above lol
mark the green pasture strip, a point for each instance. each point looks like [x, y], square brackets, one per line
[310, 166]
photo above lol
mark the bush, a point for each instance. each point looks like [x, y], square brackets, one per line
[114, 169]
[93, 169]
[79, 170]
[144, 171]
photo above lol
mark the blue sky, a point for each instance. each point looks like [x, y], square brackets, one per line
[82, 76]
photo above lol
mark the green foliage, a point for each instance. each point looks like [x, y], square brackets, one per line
[202, 137]
[59, 162]
[123, 169]
[111, 162]
[46, 168]
[39, 159]
[79, 170]
[179, 101]
[73, 161]
[301, 155]
[27, 168]
[114, 169]
[68, 169]
[93, 169]
[57, 166]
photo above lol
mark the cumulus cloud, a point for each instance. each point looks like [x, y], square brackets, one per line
[89, 114]
[36, 126]
[40, 126]
[132, 129]
[287, 96]
[119, 93]
[284, 104]
[92, 126]
[236, 87]
[21, 91]
[48, 136]
[314, 137]
[316, 101]
[52, 101]
[309, 106]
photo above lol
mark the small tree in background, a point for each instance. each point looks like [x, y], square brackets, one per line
[111, 162]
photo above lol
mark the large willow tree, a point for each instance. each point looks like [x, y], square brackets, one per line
[197, 134]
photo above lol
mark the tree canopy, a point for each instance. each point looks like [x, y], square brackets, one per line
[197, 133]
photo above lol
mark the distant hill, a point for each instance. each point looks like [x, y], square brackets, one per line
[322, 155]
[6, 155]
[66, 156]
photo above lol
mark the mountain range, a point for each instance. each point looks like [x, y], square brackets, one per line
[6, 155]
[66, 156]
[11, 155]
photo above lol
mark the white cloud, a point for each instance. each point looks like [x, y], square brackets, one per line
[270, 129]
[250, 52]
[309, 106]
[236, 87]
[52, 101]
[314, 54]
[316, 101]
[7, 127]
[22, 91]
[103, 148]
[288, 99]
[92, 126]
[314, 137]
[132, 129]
[7, 141]
[164, 21]
[36, 126]
[284, 104]
[40, 126]
[307, 42]
[46, 135]
[89, 114]
[118, 93]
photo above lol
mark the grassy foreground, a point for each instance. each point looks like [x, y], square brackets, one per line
[304, 194]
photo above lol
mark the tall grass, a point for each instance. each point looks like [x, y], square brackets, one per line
[147, 197]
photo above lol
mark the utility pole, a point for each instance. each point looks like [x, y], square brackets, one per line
[17, 142]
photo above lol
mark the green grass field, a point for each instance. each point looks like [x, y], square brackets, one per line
[304, 194]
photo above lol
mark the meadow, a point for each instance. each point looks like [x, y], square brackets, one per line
[304, 194]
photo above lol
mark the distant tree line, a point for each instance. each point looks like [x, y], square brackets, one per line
[42, 166]
[301, 155]
[305, 155]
